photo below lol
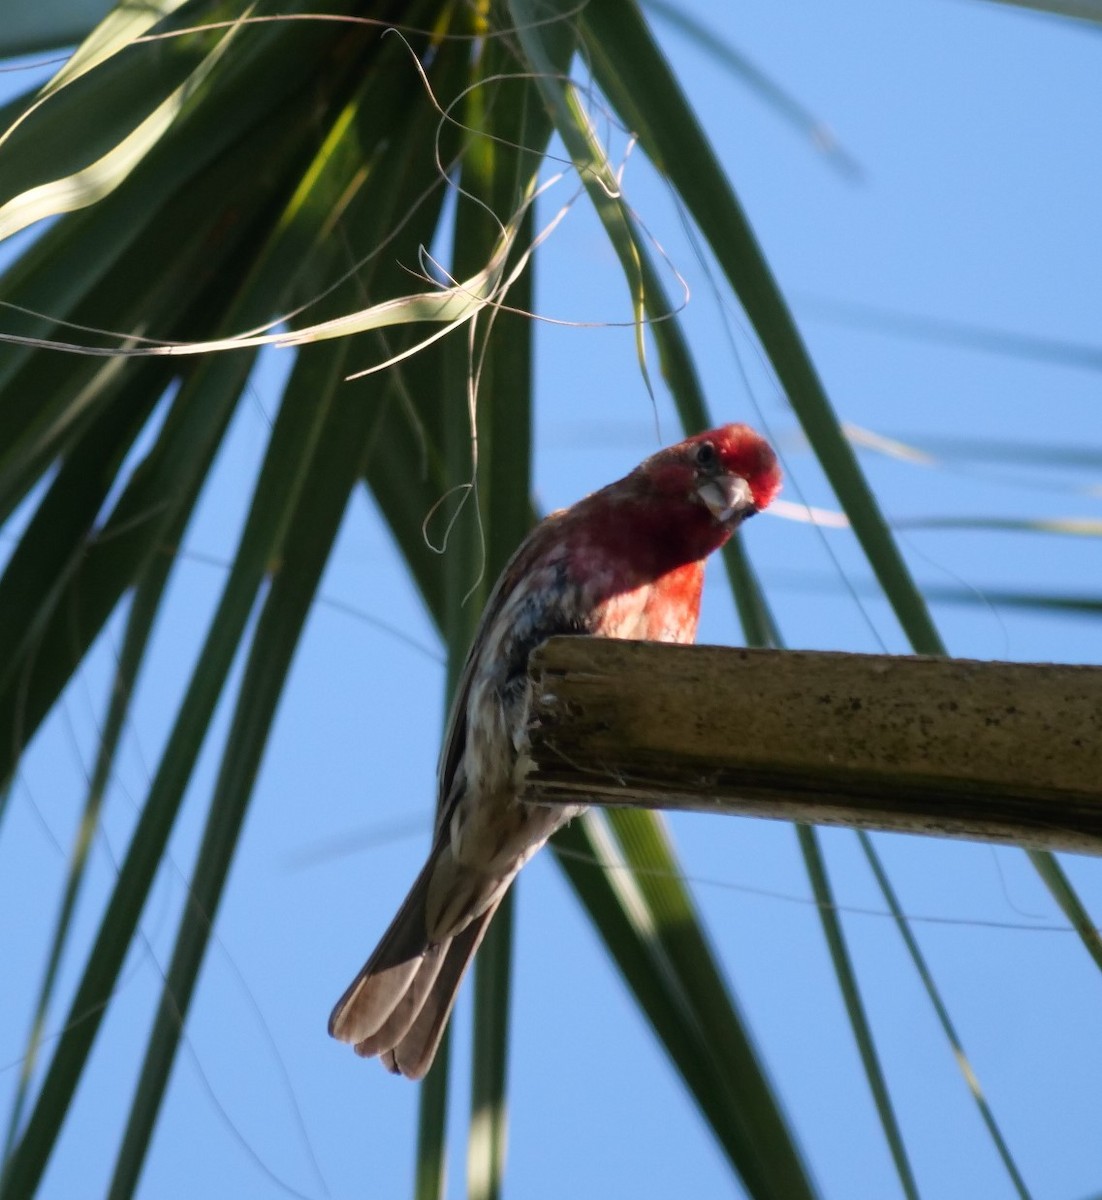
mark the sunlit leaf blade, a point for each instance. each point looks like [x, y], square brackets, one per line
[952, 454]
[118, 29]
[101, 176]
[81, 115]
[448, 306]
[260, 90]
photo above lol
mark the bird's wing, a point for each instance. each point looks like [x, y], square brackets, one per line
[413, 1053]
[518, 567]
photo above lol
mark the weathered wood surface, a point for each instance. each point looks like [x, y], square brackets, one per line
[1002, 752]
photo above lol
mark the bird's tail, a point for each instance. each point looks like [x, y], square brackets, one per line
[398, 1005]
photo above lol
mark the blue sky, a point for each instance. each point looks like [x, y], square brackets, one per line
[976, 133]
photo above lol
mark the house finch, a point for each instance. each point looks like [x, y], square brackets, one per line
[625, 562]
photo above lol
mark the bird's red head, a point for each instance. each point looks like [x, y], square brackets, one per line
[679, 505]
[731, 471]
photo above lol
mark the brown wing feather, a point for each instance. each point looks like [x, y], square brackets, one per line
[388, 974]
[455, 736]
[413, 1055]
[404, 1013]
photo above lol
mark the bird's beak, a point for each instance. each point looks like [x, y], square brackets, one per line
[728, 498]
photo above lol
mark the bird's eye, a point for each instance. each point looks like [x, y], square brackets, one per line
[706, 455]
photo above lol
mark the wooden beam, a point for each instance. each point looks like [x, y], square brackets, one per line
[1001, 752]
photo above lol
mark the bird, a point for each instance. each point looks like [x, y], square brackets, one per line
[626, 561]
